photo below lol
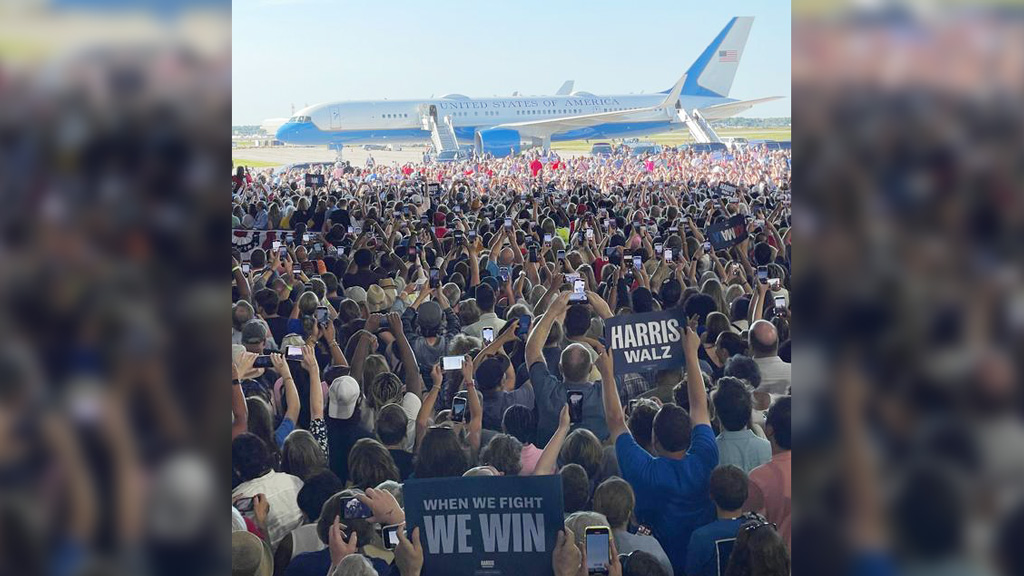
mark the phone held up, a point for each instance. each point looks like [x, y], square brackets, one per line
[598, 548]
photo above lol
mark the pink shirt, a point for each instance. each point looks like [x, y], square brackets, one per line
[528, 458]
[771, 492]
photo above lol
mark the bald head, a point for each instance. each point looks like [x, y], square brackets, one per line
[575, 363]
[506, 256]
[764, 339]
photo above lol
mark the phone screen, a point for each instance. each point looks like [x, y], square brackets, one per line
[561, 254]
[637, 262]
[245, 268]
[508, 222]
[452, 362]
[459, 409]
[435, 276]
[762, 273]
[707, 246]
[503, 273]
[658, 248]
[276, 245]
[389, 534]
[295, 352]
[321, 315]
[353, 508]
[524, 326]
[262, 362]
[533, 254]
[579, 291]
[780, 302]
[597, 550]
[590, 233]
[668, 254]
[575, 399]
[547, 238]
[488, 335]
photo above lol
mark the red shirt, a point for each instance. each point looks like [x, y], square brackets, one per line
[536, 167]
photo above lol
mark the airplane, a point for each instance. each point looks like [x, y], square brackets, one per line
[499, 126]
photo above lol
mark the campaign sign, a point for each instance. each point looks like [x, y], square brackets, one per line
[726, 233]
[314, 179]
[727, 188]
[651, 341]
[485, 525]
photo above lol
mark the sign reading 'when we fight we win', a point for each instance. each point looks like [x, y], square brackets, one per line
[493, 525]
[642, 342]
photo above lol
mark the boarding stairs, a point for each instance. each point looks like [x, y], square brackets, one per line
[700, 128]
[443, 136]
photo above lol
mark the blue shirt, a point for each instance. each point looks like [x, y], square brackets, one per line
[681, 486]
[550, 396]
[710, 547]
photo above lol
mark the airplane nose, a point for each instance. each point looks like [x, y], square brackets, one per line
[282, 132]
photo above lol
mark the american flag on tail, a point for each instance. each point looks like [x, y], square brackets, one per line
[727, 56]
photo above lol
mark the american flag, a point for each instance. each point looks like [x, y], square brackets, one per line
[727, 56]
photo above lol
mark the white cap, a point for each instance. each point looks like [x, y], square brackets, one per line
[342, 397]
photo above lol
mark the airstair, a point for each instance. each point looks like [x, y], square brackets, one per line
[443, 136]
[700, 128]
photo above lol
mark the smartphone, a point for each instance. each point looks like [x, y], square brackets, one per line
[579, 291]
[451, 362]
[263, 362]
[643, 229]
[284, 252]
[276, 245]
[352, 508]
[590, 233]
[488, 335]
[707, 246]
[637, 262]
[547, 239]
[245, 268]
[780, 302]
[575, 400]
[673, 230]
[321, 315]
[534, 257]
[305, 237]
[668, 254]
[658, 248]
[762, 274]
[294, 353]
[435, 277]
[524, 326]
[341, 251]
[472, 235]
[503, 273]
[560, 254]
[243, 505]
[508, 223]
[597, 549]
[773, 283]
[389, 535]
[459, 409]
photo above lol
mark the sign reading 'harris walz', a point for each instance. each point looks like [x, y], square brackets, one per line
[487, 525]
[651, 341]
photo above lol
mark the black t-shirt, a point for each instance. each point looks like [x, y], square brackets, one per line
[361, 278]
[278, 328]
[403, 460]
[342, 435]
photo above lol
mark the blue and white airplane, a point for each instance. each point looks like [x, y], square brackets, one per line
[499, 126]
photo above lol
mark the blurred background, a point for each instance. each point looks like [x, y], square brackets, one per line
[114, 153]
[908, 136]
[909, 174]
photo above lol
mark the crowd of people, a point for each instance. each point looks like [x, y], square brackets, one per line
[419, 321]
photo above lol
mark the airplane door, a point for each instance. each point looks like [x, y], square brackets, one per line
[433, 112]
[335, 118]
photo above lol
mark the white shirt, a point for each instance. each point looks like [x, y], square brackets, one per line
[775, 375]
[282, 492]
[487, 320]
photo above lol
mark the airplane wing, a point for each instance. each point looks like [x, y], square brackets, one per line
[545, 128]
[566, 88]
[719, 111]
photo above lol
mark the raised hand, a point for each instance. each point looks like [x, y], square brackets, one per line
[691, 341]
[336, 542]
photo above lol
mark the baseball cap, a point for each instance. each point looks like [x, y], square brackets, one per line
[376, 299]
[429, 315]
[356, 293]
[253, 332]
[342, 397]
[250, 556]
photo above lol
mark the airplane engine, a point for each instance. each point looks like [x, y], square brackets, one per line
[498, 142]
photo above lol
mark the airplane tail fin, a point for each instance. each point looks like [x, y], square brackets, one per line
[713, 72]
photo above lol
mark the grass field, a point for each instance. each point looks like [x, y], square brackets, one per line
[254, 163]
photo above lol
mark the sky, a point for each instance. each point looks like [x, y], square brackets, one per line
[302, 52]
